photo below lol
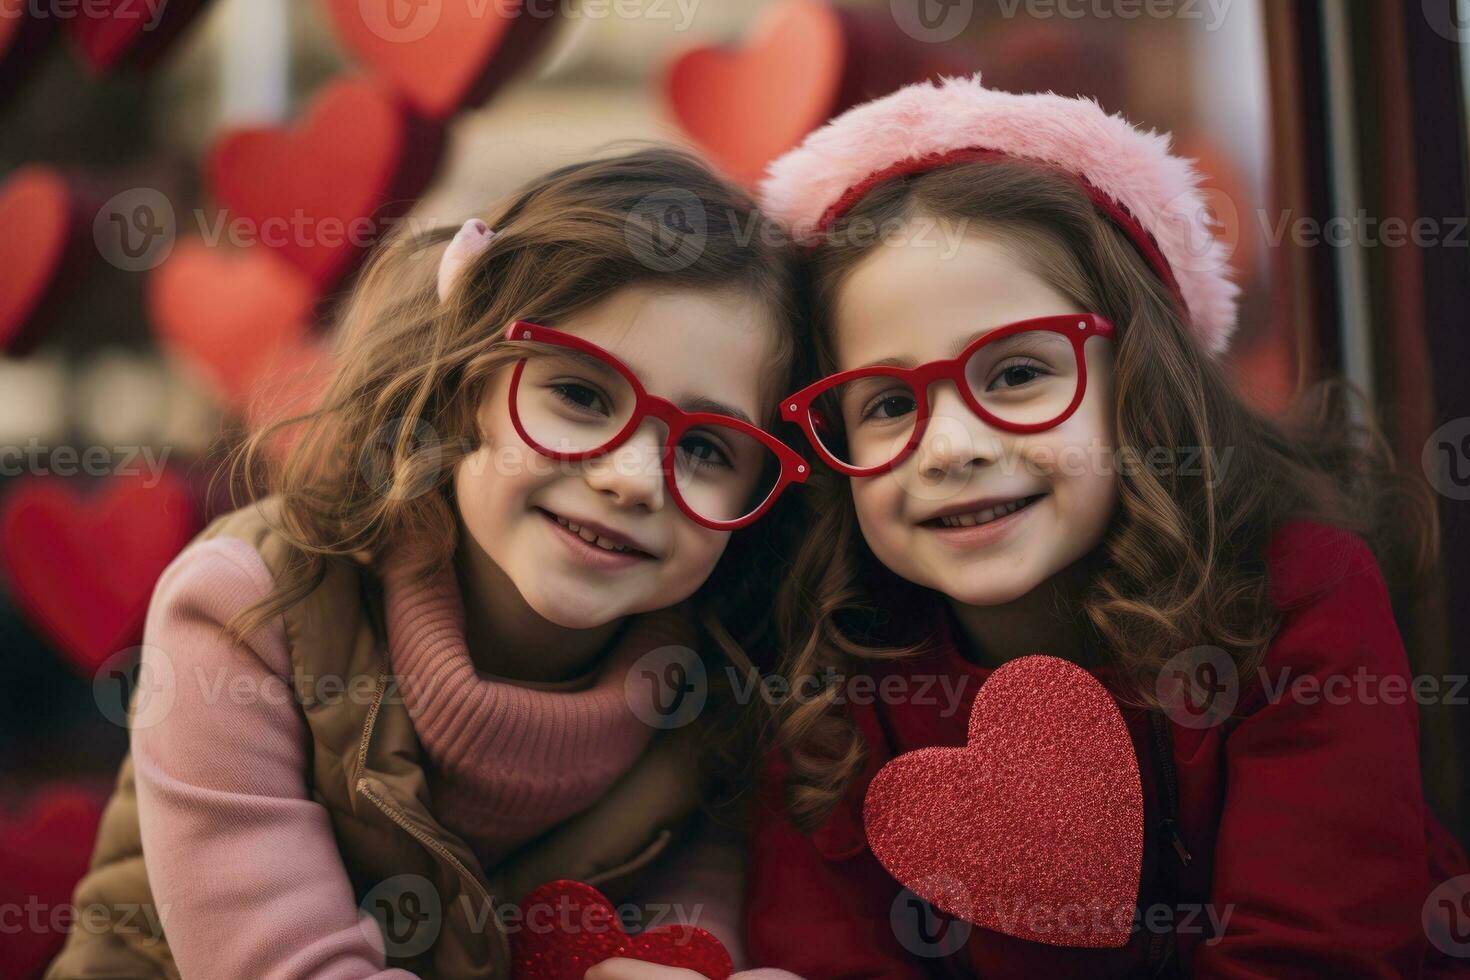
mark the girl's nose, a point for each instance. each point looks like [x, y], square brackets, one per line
[632, 475]
[955, 438]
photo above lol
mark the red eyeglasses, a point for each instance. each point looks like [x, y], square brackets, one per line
[1022, 377]
[571, 400]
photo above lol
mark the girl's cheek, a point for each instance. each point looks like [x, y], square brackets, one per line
[697, 550]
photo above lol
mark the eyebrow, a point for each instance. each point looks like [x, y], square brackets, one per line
[694, 403]
[701, 403]
[907, 362]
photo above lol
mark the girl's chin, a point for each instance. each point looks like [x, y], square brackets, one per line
[565, 605]
[991, 591]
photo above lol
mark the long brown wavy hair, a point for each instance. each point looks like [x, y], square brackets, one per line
[1182, 562]
[371, 467]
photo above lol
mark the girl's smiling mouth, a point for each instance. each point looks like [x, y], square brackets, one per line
[594, 544]
[975, 522]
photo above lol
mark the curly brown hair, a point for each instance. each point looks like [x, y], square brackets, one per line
[371, 467]
[1180, 565]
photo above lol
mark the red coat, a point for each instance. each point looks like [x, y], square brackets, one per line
[1302, 813]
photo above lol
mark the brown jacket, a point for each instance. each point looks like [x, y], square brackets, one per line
[367, 771]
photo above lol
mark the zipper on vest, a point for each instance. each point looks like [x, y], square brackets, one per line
[396, 815]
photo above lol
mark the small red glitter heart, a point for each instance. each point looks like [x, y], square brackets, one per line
[1035, 827]
[566, 927]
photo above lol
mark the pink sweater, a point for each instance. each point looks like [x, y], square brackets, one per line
[242, 862]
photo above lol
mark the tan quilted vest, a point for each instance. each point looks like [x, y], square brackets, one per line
[436, 904]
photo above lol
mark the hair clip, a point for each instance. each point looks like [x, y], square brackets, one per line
[470, 241]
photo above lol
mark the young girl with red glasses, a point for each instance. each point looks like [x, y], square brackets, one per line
[419, 680]
[1033, 448]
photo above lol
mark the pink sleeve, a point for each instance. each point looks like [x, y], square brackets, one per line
[242, 863]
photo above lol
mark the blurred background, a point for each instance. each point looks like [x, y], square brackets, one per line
[158, 156]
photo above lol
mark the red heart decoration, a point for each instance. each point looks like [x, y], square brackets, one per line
[36, 213]
[1035, 827]
[567, 927]
[442, 56]
[322, 193]
[83, 569]
[110, 32]
[233, 314]
[745, 107]
[44, 851]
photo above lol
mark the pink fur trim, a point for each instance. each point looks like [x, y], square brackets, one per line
[1130, 165]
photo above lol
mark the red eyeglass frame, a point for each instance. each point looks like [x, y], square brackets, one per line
[676, 422]
[1076, 327]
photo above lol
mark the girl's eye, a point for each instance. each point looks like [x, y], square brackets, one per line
[581, 396]
[704, 450]
[1015, 376]
[889, 405]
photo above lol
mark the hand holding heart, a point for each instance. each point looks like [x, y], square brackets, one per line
[569, 930]
[623, 968]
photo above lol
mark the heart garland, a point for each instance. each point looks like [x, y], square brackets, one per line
[37, 211]
[804, 62]
[44, 851]
[443, 57]
[111, 33]
[82, 569]
[233, 315]
[1035, 827]
[747, 105]
[323, 192]
[566, 927]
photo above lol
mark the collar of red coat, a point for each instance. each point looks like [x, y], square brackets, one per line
[1303, 559]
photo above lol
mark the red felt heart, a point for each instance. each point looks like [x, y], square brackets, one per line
[110, 32]
[442, 56]
[44, 851]
[36, 213]
[747, 106]
[566, 927]
[322, 193]
[83, 568]
[1035, 827]
[233, 314]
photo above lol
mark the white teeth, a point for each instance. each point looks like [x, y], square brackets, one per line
[591, 537]
[982, 516]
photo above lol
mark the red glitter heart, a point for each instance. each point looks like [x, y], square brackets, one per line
[567, 927]
[1035, 827]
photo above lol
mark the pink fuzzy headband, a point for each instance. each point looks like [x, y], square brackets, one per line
[1130, 174]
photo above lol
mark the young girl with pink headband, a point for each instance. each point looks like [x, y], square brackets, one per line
[1031, 446]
